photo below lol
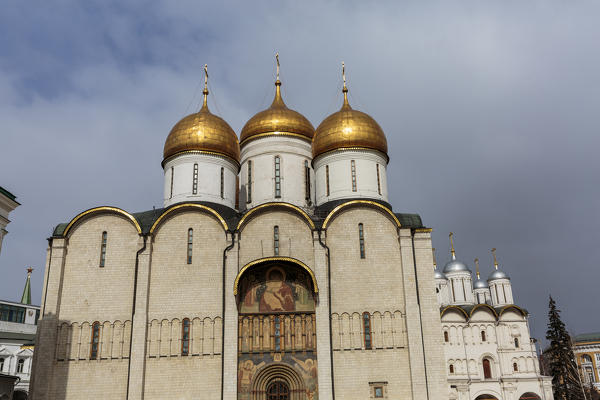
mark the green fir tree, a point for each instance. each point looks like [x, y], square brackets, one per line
[566, 381]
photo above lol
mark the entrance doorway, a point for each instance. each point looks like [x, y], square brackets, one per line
[278, 390]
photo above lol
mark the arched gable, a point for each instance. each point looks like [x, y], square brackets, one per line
[100, 210]
[360, 203]
[513, 308]
[278, 205]
[483, 308]
[183, 207]
[274, 259]
[456, 309]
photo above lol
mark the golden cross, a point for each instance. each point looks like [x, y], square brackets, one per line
[451, 243]
[477, 267]
[206, 76]
[277, 60]
[495, 261]
[344, 73]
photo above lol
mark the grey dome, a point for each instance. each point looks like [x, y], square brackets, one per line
[455, 265]
[439, 275]
[497, 274]
[480, 284]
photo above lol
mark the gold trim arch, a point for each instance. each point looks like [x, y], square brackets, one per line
[274, 259]
[105, 209]
[275, 205]
[178, 207]
[478, 306]
[519, 309]
[369, 203]
[450, 308]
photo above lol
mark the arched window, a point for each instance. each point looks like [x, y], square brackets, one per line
[378, 180]
[367, 330]
[587, 358]
[327, 179]
[195, 180]
[103, 249]
[185, 337]
[487, 369]
[276, 240]
[483, 338]
[353, 172]
[361, 240]
[222, 183]
[515, 367]
[451, 368]
[190, 242]
[516, 343]
[306, 181]
[278, 390]
[20, 365]
[277, 177]
[172, 179]
[446, 338]
[249, 185]
[1, 364]
[95, 342]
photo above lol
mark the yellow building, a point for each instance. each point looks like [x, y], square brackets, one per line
[587, 352]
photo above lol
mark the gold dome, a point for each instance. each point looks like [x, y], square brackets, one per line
[203, 131]
[277, 120]
[348, 128]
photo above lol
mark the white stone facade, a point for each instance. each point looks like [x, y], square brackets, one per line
[356, 173]
[7, 204]
[295, 172]
[198, 176]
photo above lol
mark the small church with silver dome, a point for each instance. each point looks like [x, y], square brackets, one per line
[276, 269]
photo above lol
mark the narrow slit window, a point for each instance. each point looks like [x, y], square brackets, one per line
[327, 178]
[367, 330]
[446, 338]
[277, 177]
[95, 343]
[306, 181]
[361, 240]
[378, 179]
[185, 337]
[195, 180]
[276, 240]
[483, 336]
[451, 368]
[1, 364]
[222, 183]
[103, 249]
[190, 245]
[277, 333]
[516, 343]
[487, 369]
[249, 185]
[353, 170]
[515, 367]
[172, 178]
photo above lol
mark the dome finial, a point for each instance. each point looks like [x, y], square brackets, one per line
[345, 88]
[495, 261]
[205, 91]
[434, 261]
[452, 245]
[278, 100]
[477, 267]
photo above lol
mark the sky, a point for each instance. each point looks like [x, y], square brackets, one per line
[490, 109]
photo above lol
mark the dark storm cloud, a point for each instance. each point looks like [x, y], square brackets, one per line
[490, 110]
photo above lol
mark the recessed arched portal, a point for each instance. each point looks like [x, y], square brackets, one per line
[486, 397]
[529, 396]
[277, 357]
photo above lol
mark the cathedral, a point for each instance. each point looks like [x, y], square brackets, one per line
[277, 269]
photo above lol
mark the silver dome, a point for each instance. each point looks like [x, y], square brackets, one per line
[497, 274]
[480, 284]
[439, 275]
[455, 265]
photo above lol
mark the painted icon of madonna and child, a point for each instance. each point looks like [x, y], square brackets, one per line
[272, 289]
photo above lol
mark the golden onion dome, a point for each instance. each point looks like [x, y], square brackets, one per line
[348, 129]
[277, 120]
[204, 132]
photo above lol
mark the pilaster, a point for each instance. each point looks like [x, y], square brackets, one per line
[230, 324]
[139, 325]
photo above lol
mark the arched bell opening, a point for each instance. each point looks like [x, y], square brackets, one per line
[529, 396]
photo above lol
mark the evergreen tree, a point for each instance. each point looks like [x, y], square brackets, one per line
[566, 381]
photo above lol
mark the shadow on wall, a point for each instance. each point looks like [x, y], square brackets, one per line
[72, 356]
